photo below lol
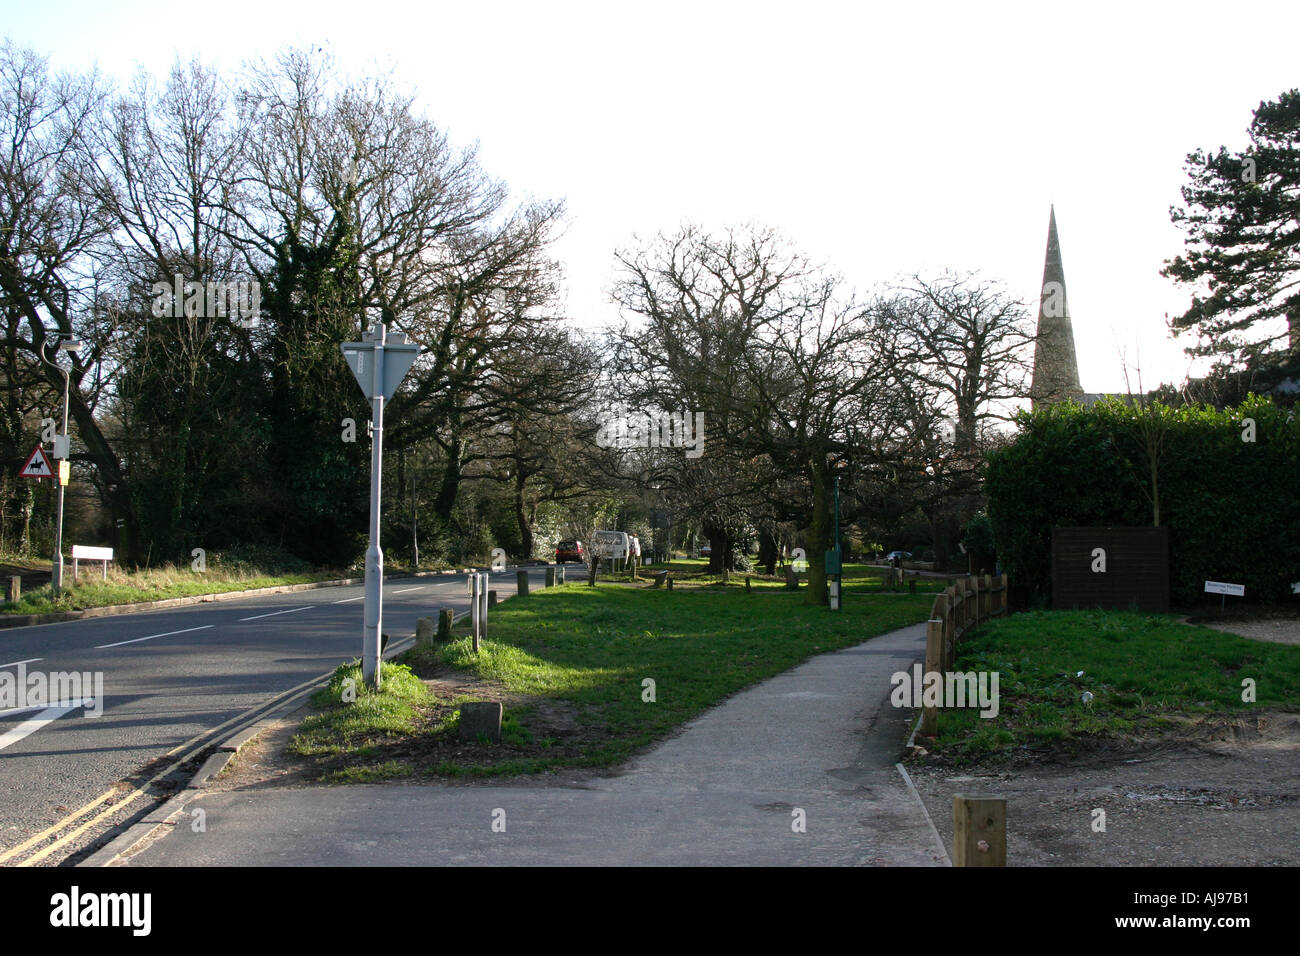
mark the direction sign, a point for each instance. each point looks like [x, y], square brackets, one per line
[1218, 587]
[37, 465]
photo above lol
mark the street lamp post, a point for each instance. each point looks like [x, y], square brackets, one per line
[62, 451]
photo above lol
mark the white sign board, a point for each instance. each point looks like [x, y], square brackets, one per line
[610, 544]
[1295, 587]
[84, 553]
[1218, 587]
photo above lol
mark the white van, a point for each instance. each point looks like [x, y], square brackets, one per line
[610, 544]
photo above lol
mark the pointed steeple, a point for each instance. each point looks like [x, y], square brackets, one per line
[1056, 368]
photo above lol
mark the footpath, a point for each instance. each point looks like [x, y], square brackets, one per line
[798, 770]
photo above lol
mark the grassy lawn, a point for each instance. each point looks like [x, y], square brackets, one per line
[693, 572]
[155, 584]
[1146, 673]
[570, 666]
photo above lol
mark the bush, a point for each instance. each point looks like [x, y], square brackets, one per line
[1232, 506]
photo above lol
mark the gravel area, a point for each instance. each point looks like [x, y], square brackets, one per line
[1224, 794]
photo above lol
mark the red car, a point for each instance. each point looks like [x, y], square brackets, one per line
[569, 551]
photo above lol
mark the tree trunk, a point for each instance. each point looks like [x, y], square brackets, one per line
[525, 529]
[450, 486]
[768, 550]
[819, 536]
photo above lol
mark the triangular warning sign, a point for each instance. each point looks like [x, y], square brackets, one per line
[37, 466]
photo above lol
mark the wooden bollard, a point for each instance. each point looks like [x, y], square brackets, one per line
[747, 587]
[15, 587]
[791, 578]
[522, 578]
[933, 664]
[550, 577]
[492, 598]
[445, 618]
[911, 586]
[979, 831]
[423, 631]
[668, 581]
[559, 574]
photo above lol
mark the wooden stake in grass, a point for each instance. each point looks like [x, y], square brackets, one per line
[979, 831]
[522, 578]
[550, 577]
[445, 618]
[15, 587]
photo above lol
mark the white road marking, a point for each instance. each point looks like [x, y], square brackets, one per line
[30, 660]
[136, 640]
[349, 600]
[404, 590]
[30, 726]
[274, 613]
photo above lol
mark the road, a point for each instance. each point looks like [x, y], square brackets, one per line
[171, 675]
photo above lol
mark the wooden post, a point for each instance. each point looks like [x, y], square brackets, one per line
[550, 577]
[949, 627]
[445, 618]
[522, 577]
[668, 581]
[423, 631]
[911, 585]
[492, 598]
[986, 596]
[1006, 595]
[747, 587]
[933, 662]
[979, 831]
[15, 587]
[976, 600]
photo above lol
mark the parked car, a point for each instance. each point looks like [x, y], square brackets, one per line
[897, 555]
[705, 551]
[569, 551]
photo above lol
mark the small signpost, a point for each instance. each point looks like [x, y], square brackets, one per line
[81, 552]
[1220, 588]
[379, 362]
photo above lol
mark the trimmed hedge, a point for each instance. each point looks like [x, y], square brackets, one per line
[1232, 506]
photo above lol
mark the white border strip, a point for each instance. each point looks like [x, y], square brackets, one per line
[947, 860]
[136, 640]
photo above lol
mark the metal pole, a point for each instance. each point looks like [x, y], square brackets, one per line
[374, 556]
[483, 605]
[56, 573]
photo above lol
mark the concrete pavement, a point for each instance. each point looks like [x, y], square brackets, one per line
[815, 746]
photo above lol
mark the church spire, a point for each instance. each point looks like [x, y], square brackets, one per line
[1056, 369]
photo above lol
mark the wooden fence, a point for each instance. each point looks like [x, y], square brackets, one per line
[967, 602]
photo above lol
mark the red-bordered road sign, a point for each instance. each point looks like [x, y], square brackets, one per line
[37, 465]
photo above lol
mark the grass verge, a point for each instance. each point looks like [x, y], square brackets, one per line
[586, 676]
[1146, 673]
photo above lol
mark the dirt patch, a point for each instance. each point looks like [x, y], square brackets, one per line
[1215, 792]
[1279, 630]
[555, 731]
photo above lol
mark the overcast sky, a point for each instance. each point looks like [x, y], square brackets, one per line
[881, 138]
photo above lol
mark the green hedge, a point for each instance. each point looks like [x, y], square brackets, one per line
[1232, 507]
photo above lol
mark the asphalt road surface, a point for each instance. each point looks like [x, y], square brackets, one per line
[171, 675]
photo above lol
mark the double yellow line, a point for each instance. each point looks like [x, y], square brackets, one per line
[182, 753]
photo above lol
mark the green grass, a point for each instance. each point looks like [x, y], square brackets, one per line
[151, 585]
[350, 715]
[590, 650]
[1146, 672]
[693, 572]
[580, 656]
